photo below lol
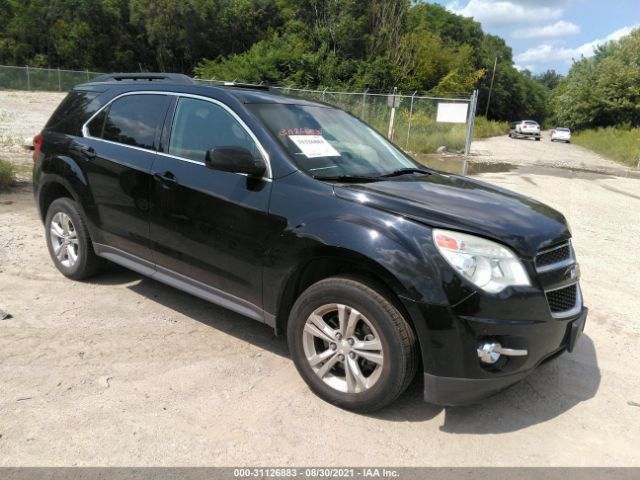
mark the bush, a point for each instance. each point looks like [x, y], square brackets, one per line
[619, 144]
[7, 173]
[484, 128]
[426, 134]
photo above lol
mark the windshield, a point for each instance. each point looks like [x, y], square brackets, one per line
[327, 142]
[562, 129]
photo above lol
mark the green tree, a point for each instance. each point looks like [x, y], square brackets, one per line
[550, 79]
[342, 44]
[603, 90]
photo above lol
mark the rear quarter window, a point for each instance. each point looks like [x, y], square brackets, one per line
[71, 114]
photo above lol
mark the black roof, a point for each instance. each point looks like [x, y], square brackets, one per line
[179, 83]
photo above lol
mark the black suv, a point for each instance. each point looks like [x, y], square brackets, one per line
[301, 216]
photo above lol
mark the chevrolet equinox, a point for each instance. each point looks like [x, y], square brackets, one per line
[298, 215]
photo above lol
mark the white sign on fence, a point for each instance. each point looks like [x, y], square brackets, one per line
[393, 101]
[452, 112]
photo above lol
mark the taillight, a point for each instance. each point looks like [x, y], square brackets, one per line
[37, 146]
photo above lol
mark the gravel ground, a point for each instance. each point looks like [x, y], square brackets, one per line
[544, 153]
[122, 370]
[22, 116]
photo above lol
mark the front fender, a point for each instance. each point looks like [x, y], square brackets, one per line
[313, 222]
[396, 251]
[398, 247]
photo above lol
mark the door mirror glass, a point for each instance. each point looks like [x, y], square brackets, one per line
[235, 160]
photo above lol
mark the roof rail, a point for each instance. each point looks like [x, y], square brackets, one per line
[251, 86]
[145, 77]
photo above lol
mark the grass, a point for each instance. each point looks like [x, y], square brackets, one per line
[7, 173]
[11, 141]
[621, 145]
[484, 128]
[427, 135]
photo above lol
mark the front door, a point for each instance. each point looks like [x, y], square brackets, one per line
[207, 225]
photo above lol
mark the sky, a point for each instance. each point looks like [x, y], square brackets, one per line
[549, 34]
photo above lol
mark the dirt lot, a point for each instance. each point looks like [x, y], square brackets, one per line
[122, 370]
[526, 151]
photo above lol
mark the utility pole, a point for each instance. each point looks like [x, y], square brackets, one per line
[495, 64]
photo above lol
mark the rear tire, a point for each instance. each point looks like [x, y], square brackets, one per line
[351, 345]
[69, 242]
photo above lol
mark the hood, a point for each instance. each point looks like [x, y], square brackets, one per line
[465, 204]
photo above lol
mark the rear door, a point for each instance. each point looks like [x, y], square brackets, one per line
[208, 227]
[121, 142]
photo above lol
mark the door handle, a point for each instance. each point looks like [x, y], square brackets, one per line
[86, 151]
[167, 179]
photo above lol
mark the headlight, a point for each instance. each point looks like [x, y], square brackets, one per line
[488, 265]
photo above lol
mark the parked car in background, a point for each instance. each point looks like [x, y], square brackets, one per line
[524, 129]
[300, 216]
[561, 134]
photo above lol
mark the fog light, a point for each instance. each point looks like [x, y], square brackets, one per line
[490, 352]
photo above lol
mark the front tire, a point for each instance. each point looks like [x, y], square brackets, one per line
[68, 240]
[351, 345]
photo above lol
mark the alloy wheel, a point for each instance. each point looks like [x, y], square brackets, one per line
[343, 348]
[64, 239]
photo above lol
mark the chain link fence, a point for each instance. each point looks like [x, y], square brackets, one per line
[44, 79]
[410, 121]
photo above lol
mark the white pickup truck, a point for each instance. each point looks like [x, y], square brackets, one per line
[525, 128]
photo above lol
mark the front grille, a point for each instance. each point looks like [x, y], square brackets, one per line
[563, 299]
[555, 255]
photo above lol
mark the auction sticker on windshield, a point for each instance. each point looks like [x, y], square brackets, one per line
[313, 146]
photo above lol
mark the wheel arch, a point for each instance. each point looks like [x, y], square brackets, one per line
[50, 191]
[334, 261]
[60, 176]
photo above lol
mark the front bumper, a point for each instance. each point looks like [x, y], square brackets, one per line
[455, 391]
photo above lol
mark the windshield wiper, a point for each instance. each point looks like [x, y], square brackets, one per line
[347, 178]
[404, 171]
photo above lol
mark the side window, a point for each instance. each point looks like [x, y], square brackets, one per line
[133, 120]
[199, 126]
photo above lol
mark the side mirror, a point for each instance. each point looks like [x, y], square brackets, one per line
[235, 160]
